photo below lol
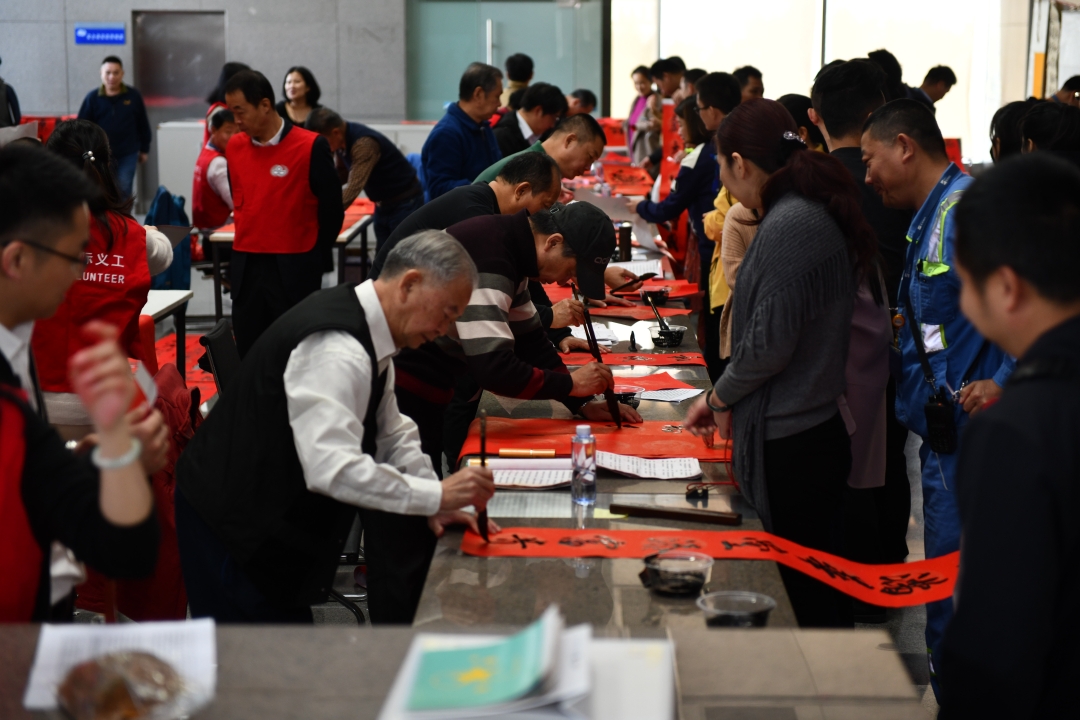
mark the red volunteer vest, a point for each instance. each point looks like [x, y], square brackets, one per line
[274, 208]
[208, 210]
[20, 554]
[113, 288]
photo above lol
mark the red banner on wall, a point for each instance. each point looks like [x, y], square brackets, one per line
[897, 585]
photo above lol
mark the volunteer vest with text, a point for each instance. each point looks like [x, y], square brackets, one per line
[20, 554]
[208, 210]
[113, 288]
[274, 208]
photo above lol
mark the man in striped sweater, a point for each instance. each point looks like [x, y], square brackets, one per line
[499, 339]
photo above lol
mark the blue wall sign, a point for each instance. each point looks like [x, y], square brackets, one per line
[100, 34]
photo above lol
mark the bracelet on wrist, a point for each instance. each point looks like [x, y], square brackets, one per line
[715, 408]
[116, 463]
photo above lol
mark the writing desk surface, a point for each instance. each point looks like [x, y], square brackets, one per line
[160, 303]
[271, 672]
[352, 221]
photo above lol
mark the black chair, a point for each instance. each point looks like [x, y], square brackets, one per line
[222, 360]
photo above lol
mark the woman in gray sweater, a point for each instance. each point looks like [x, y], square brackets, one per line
[790, 330]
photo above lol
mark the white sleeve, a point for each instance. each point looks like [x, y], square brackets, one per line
[217, 174]
[327, 389]
[158, 251]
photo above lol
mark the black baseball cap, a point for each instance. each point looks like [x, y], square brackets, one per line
[588, 231]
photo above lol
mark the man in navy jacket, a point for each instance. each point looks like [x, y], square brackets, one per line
[462, 145]
[119, 110]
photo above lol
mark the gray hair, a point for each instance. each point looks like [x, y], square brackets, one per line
[435, 253]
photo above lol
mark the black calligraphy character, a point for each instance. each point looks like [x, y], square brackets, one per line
[762, 545]
[671, 543]
[905, 584]
[523, 540]
[835, 572]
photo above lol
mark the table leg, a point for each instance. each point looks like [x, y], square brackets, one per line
[341, 262]
[364, 264]
[215, 253]
[180, 318]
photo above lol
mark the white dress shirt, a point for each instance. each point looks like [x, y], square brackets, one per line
[15, 346]
[327, 388]
[526, 131]
[274, 140]
[217, 174]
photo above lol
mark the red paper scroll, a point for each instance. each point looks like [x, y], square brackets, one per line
[638, 312]
[897, 585]
[679, 288]
[649, 439]
[656, 381]
[653, 359]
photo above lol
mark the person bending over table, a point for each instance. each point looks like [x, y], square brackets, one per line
[309, 431]
[287, 204]
[499, 341]
[575, 144]
[373, 164]
[104, 513]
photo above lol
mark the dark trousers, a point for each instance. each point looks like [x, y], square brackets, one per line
[428, 417]
[216, 585]
[459, 415]
[876, 519]
[261, 299]
[398, 551]
[388, 218]
[708, 321]
[806, 474]
[125, 167]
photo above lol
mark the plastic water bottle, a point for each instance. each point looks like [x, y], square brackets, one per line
[583, 458]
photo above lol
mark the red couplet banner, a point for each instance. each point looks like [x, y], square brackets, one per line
[653, 359]
[899, 585]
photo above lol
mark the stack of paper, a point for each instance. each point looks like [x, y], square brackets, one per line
[673, 395]
[604, 335]
[544, 672]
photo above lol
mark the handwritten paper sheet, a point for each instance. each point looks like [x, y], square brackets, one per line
[677, 395]
[657, 468]
[640, 267]
[190, 647]
[532, 479]
[604, 336]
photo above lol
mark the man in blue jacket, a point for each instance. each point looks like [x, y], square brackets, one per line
[119, 110]
[462, 145]
[948, 370]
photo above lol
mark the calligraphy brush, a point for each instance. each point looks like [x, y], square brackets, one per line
[482, 518]
[594, 348]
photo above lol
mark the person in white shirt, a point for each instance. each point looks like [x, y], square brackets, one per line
[310, 431]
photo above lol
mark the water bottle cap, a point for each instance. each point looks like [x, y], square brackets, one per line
[584, 431]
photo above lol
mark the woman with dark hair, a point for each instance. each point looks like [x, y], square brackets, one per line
[216, 98]
[1052, 127]
[642, 126]
[120, 259]
[791, 325]
[300, 95]
[1005, 136]
[797, 105]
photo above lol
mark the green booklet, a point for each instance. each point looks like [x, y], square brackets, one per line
[503, 671]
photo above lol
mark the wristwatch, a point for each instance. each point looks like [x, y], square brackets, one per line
[715, 408]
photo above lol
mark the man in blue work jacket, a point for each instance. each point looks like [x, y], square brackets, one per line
[949, 370]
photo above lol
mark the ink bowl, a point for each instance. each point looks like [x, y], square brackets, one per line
[628, 394]
[676, 572]
[736, 608]
[670, 338]
[659, 295]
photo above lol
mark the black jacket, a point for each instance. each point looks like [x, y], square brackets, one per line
[242, 474]
[508, 135]
[1010, 650]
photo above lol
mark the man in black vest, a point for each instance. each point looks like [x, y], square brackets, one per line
[308, 432]
[370, 162]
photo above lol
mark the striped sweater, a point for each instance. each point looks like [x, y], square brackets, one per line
[499, 339]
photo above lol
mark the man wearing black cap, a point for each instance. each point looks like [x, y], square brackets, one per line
[499, 339]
